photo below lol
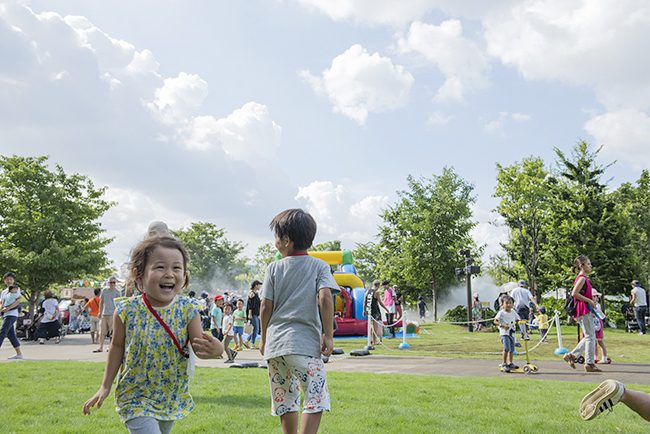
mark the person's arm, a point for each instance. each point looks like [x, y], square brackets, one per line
[115, 355]
[365, 308]
[327, 311]
[381, 303]
[575, 293]
[101, 306]
[266, 310]
[633, 299]
[14, 304]
[205, 346]
[214, 321]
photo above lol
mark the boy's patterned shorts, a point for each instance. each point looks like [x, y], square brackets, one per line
[288, 374]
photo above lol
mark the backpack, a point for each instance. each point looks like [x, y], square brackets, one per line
[571, 304]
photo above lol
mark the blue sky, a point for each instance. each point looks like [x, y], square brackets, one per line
[230, 112]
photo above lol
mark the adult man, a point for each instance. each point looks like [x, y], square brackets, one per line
[106, 309]
[371, 303]
[10, 316]
[640, 304]
[92, 308]
[522, 297]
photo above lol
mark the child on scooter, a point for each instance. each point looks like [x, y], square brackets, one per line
[507, 319]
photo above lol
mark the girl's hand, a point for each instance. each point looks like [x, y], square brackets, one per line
[207, 346]
[591, 303]
[98, 399]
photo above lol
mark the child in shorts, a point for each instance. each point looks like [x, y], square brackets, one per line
[239, 318]
[507, 319]
[294, 288]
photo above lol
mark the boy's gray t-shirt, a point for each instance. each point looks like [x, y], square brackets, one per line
[108, 297]
[292, 284]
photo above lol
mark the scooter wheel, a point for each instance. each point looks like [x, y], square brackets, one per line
[580, 360]
[535, 369]
[527, 369]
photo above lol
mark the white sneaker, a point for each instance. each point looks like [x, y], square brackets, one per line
[641, 333]
[15, 356]
[602, 398]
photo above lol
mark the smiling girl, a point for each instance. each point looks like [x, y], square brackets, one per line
[149, 352]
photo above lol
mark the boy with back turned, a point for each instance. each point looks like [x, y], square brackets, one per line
[293, 289]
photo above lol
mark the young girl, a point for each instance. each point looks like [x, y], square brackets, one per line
[583, 294]
[149, 352]
[598, 325]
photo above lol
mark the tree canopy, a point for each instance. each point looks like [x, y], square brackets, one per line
[49, 229]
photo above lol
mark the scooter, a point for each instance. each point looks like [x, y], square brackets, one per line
[528, 367]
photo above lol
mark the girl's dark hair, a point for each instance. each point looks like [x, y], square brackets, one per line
[578, 263]
[48, 293]
[296, 224]
[142, 252]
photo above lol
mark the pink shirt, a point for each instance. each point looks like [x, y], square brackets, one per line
[388, 297]
[582, 308]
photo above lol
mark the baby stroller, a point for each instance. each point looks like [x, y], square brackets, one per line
[631, 324]
[26, 328]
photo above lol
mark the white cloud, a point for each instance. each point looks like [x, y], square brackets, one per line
[388, 12]
[595, 43]
[496, 125]
[359, 83]
[338, 215]
[180, 97]
[520, 117]
[625, 133]
[438, 118]
[459, 59]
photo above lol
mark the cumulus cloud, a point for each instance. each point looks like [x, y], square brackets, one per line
[595, 43]
[459, 59]
[625, 134]
[438, 118]
[337, 213]
[519, 117]
[387, 12]
[359, 83]
[180, 97]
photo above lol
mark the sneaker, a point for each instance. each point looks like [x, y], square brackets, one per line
[234, 354]
[513, 366]
[15, 356]
[505, 368]
[517, 344]
[229, 361]
[604, 397]
[570, 359]
[641, 333]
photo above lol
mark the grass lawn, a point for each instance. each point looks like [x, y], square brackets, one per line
[446, 340]
[46, 397]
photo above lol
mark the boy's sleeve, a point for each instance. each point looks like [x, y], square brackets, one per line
[267, 287]
[326, 280]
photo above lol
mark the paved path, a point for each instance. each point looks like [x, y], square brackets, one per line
[78, 348]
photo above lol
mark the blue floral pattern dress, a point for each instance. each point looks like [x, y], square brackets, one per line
[152, 380]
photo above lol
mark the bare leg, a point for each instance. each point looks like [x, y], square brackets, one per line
[511, 355]
[310, 423]
[18, 351]
[601, 343]
[505, 357]
[289, 422]
[637, 401]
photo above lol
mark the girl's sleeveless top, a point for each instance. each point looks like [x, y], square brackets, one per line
[153, 380]
[582, 308]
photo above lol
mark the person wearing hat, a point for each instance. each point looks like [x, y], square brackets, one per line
[216, 317]
[522, 296]
[253, 312]
[640, 304]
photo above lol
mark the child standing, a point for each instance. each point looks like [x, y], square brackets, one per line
[507, 319]
[228, 333]
[542, 320]
[216, 317]
[293, 290]
[239, 318]
[151, 333]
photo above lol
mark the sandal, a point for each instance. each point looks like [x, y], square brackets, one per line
[97, 351]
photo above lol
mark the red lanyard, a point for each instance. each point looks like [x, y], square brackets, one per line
[167, 329]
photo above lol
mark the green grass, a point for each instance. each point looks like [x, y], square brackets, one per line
[44, 397]
[447, 340]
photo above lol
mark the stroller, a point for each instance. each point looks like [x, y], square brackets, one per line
[26, 328]
[631, 324]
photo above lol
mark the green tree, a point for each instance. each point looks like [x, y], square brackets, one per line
[328, 246]
[214, 260]
[423, 232]
[635, 201]
[525, 203]
[585, 220]
[49, 229]
[366, 261]
[263, 257]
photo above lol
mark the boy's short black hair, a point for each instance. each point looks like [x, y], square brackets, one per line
[296, 224]
[384, 282]
[97, 291]
[13, 286]
[9, 274]
[507, 298]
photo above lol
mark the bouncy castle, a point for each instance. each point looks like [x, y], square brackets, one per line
[348, 306]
